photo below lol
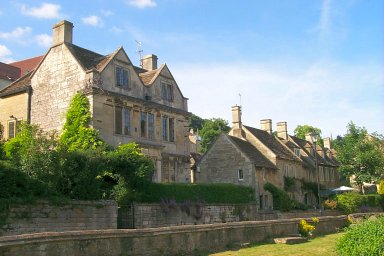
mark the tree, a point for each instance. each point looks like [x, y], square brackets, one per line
[211, 129]
[77, 133]
[360, 154]
[302, 130]
[195, 122]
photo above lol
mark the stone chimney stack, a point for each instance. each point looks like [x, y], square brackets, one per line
[308, 137]
[282, 132]
[327, 143]
[266, 125]
[236, 117]
[149, 62]
[62, 32]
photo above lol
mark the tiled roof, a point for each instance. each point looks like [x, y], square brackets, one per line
[19, 85]
[9, 72]
[27, 65]
[253, 153]
[272, 143]
[147, 77]
[88, 59]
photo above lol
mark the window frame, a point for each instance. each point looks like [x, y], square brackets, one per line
[125, 127]
[122, 77]
[167, 91]
[16, 127]
[240, 174]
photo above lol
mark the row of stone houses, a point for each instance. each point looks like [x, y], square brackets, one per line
[253, 157]
[128, 103]
[145, 105]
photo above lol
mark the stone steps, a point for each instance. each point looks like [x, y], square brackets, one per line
[294, 239]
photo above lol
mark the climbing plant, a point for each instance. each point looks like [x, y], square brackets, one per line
[77, 133]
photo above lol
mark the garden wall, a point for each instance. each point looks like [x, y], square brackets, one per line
[157, 241]
[43, 217]
[173, 214]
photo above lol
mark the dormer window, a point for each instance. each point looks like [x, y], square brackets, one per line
[297, 151]
[122, 78]
[167, 91]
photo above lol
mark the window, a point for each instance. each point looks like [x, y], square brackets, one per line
[122, 78]
[122, 120]
[240, 174]
[167, 91]
[297, 151]
[286, 170]
[151, 126]
[143, 124]
[168, 129]
[13, 128]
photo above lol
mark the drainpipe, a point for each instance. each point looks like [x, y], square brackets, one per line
[29, 91]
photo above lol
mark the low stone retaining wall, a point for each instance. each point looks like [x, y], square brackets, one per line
[157, 241]
[176, 214]
[76, 215]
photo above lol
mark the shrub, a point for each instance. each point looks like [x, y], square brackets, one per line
[306, 229]
[349, 202]
[366, 238]
[330, 204]
[381, 188]
[281, 200]
[208, 193]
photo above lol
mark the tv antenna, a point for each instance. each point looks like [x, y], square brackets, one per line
[240, 99]
[139, 52]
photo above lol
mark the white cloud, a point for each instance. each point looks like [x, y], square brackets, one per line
[324, 94]
[106, 12]
[116, 30]
[143, 3]
[93, 20]
[44, 40]
[45, 11]
[324, 25]
[4, 54]
[17, 33]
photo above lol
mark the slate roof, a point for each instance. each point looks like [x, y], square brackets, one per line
[252, 153]
[27, 65]
[19, 85]
[88, 59]
[272, 143]
[9, 72]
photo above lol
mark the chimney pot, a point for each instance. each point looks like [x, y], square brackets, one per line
[266, 125]
[327, 143]
[149, 62]
[62, 32]
[282, 132]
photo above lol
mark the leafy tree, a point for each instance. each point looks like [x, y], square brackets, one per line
[360, 154]
[212, 128]
[77, 134]
[302, 130]
[195, 122]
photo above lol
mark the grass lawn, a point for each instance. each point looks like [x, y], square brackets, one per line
[324, 245]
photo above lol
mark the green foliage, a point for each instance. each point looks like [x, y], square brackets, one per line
[195, 122]
[289, 183]
[281, 200]
[77, 135]
[301, 130]
[366, 238]
[306, 229]
[207, 193]
[212, 128]
[360, 154]
[381, 188]
[349, 202]
[2, 151]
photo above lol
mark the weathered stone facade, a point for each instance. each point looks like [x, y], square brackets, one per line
[45, 217]
[12, 109]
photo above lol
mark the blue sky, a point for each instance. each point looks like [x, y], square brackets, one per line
[318, 62]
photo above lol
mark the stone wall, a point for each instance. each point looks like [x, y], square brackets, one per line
[157, 241]
[44, 217]
[173, 214]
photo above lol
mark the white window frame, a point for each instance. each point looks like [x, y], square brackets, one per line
[240, 174]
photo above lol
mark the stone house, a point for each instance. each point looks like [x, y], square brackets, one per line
[128, 103]
[253, 157]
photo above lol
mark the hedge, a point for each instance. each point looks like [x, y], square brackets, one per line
[366, 238]
[207, 193]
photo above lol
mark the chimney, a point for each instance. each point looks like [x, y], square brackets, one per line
[62, 32]
[266, 125]
[327, 143]
[149, 62]
[236, 117]
[308, 137]
[282, 130]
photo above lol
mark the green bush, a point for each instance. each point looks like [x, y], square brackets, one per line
[2, 152]
[281, 200]
[381, 188]
[366, 238]
[349, 202]
[207, 193]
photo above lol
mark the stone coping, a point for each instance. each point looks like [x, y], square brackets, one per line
[47, 237]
